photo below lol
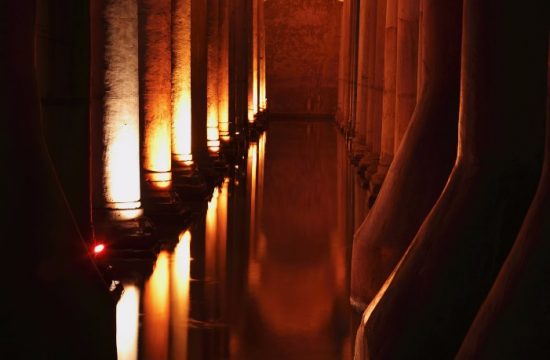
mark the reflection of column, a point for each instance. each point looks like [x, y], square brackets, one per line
[156, 309]
[181, 80]
[119, 111]
[223, 72]
[127, 323]
[407, 68]
[212, 86]
[179, 281]
[155, 50]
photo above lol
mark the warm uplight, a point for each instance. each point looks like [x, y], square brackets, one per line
[181, 81]
[159, 181]
[127, 323]
[157, 139]
[99, 248]
[156, 308]
[121, 180]
[181, 275]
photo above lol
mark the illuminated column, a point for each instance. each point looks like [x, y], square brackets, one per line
[375, 92]
[388, 102]
[365, 45]
[155, 54]
[253, 65]
[181, 81]
[342, 64]
[118, 112]
[262, 96]
[353, 77]
[212, 87]
[199, 79]
[427, 304]
[223, 73]
[407, 67]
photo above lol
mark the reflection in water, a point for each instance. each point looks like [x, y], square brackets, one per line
[156, 307]
[127, 323]
[265, 276]
[181, 274]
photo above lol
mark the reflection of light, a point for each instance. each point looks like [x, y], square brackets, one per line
[181, 81]
[156, 304]
[127, 323]
[181, 274]
[252, 164]
[121, 107]
[211, 235]
[99, 248]
[125, 214]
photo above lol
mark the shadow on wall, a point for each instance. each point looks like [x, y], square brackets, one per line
[302, 42]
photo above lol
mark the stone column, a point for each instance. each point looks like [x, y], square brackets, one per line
[366, 36]
[420, 169]
[262, 96]
[199, 76]
[427, 305]
[156, 103]
[514, 320]
[388, 101]
[223, 72]
[375, 94]
[55, 284]
[115, 121]
[353, 66]
[253, 62]
[212, 86]
[181, 82]
[407, 68]
[343, 64]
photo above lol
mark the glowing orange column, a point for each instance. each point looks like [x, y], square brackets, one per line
[181, 81]
[223, 71]
[212, 87]
[117, 158]
[253, 67]
[262, 96]
[155, 44]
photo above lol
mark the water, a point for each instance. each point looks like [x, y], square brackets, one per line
[263, 273]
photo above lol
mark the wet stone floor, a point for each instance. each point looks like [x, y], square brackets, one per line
[263, 272]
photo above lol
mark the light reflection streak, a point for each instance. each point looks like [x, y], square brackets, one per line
[127, 323]
[181, 275]
[156, 307]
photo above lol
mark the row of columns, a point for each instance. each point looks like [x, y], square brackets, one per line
[448, 261]
[167, 87]
[378, 82]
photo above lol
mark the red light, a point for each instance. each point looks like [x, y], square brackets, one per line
[98, 249]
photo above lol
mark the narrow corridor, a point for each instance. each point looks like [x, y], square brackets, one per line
[262, 272]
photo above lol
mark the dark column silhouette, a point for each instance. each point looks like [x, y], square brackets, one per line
[428, 303]
[421, 166]
[55, 304]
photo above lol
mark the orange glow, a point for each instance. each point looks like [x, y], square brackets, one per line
[181, 275]
[157, 138]
[159, 180]
[99, 248]
[181, 81]
[156, 307]
[127, 323]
